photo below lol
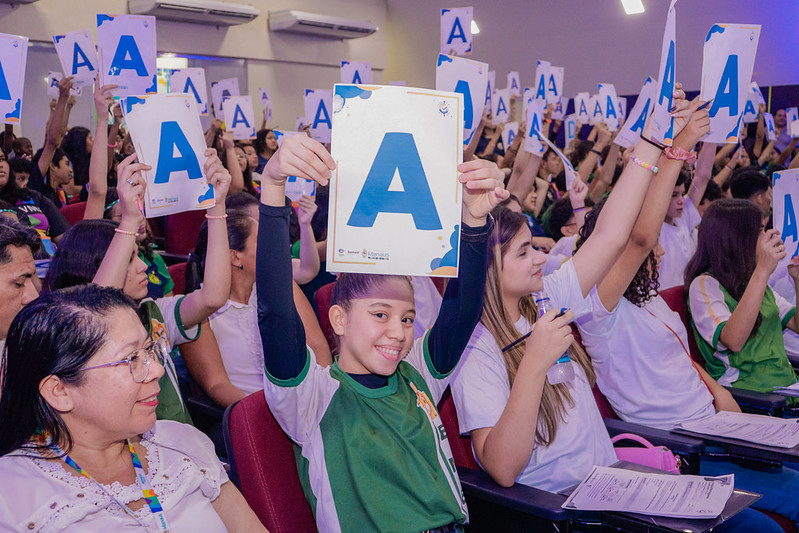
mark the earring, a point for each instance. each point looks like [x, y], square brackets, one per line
[241, 267]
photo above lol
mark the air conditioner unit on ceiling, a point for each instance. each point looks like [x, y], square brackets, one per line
[322, 25]
[196, 11]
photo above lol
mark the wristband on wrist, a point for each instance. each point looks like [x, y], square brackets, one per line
[597, 152]
[680, 154]
[113, 145]
[123, 232]
[215, 217]
[653, 143]
[575, 209]
[649, 166]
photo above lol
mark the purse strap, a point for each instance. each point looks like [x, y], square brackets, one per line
[632, 436]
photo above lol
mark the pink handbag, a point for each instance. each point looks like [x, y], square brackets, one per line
[658, 457]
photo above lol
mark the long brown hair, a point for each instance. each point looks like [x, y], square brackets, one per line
[496, 319]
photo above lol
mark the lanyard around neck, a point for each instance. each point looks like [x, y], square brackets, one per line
[149, 495]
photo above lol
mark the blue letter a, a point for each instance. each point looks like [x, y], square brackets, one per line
[789, 223]
[667, 87]
[190, 84]
[468, 109]
[397, 154]
[727, 92]
[640, 122]
[127, 48]
[501, 108]
[172, 138]
[322, 117]
[77, 63]
[541, 91]
[238, 117]
[460, 33]
[750, 108]
[5, 94]
[356, 78]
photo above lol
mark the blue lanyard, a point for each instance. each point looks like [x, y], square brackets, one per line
[149, 495]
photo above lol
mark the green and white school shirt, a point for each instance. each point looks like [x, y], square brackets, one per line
[371, 459]
[162, 319]
[761, 364]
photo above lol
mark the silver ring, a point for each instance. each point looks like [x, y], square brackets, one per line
[129, 182]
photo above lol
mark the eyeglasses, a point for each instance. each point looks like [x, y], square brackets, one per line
[139, 361]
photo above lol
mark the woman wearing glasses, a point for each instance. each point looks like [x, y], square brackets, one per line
[80, 448]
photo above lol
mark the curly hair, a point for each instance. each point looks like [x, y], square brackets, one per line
[644, 285]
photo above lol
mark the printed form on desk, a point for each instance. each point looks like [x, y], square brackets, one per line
[615, 489]
[759, 429]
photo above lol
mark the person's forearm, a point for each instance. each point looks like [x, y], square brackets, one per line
[236, 176]
[314, 336]
[309, 256]
[98, 172]
[702, 173]
[766, 155]
[63, 123]
[541, 189]
[736, 331]
[210, 136]
[521, 183]
[282, 333]
[462, 304]
[202, 303]
[601, 183]
[507, 448]
[722, 154]
[787, 152]
[114, 267]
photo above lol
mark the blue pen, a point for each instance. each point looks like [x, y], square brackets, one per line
[701, 107]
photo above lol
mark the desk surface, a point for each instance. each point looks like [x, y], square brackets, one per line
[747, 449]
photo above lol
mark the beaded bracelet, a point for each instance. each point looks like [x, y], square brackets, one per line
[648, 166]
[123, 232]
[653, 143]
[215, 217]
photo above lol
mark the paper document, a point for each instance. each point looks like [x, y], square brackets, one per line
[616, 489]
[770, 431]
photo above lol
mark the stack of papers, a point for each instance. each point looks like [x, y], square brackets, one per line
[615, 489]
[759, 429]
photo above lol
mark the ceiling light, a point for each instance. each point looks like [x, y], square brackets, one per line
[633, 7]
[475, 29]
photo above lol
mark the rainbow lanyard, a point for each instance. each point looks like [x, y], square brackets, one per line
[149, 495]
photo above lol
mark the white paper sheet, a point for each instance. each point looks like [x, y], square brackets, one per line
[13, 59]
[78, 56]
[456, 31]
[126, 53]
[616, 489]
[191, 81]
[759, 429]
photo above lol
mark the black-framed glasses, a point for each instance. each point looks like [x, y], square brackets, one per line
[139, 361]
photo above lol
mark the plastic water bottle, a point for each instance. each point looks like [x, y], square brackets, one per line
[562, 371]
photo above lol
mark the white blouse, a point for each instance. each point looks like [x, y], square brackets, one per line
[235, 326]
[41, 495]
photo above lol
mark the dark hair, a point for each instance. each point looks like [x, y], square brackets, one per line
[17, 144]
[580, 152]
[727, 246]
[12, 233]
[350, 286]
[11, 192]
[511, 198]
[684, 178]
[644, 285]
[58, 155]
[712, 192]
[246, 173]
[260, 141]
[239, 228]
[240, 200]
[559, 215]
[80, 253]
[20, 164]
[748, 181]
[56, 334]
[74, 145]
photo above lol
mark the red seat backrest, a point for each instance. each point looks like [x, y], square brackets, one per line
[461, 446]
[675, 298]
[322, 297]
[182, 230]
[178, 274]
[440, 283]
[74, 212]
[264, 460]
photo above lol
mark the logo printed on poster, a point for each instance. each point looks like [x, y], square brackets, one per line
[175, 154]
[398, 156]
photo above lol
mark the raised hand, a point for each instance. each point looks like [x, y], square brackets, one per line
[217, 176]
[696, 126]
[770, 250]
[299, 156]
[550, 338]
[64, 87]
[578, 192]
[130, 188]
[306, 208]
[483, 189]
[103, 99]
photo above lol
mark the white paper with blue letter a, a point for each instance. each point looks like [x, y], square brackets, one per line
[13, 57]
[126, 53]
[456, 31]
[167, 135]
[468, 78]
[395, 199]
[728, 59]
[78, 56]
[785, 203]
